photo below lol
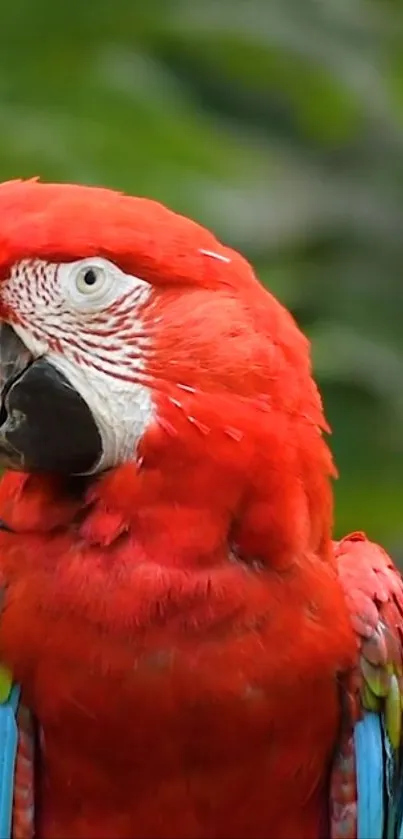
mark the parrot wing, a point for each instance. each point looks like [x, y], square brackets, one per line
[367, 777]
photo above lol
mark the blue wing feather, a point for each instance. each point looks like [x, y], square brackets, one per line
[8, 753]
[369, 759]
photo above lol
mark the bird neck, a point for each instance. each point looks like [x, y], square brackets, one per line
[261, 492]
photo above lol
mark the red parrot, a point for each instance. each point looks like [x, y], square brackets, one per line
[199, 659]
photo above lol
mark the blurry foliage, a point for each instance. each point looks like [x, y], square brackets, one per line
[279, 123]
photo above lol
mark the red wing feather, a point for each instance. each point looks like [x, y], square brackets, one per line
[374, 592]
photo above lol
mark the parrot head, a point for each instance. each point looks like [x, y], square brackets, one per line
[122, 321]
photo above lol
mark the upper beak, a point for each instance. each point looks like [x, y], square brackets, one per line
[45, 424]
[15, 358]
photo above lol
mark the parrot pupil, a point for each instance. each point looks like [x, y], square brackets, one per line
[90, 277]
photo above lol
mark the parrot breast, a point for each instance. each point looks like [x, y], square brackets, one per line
[170, 703]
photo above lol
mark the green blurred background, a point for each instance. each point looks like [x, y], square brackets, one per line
[279, 124]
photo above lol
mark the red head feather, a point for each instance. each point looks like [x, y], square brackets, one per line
[226, 356]
[65, 222]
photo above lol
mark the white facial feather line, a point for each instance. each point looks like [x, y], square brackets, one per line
[215, 255]
[94, 336]
[123, 410]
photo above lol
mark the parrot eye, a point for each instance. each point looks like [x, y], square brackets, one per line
[93, 284]
[91, 279]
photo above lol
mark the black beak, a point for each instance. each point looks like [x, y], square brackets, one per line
[45, 425]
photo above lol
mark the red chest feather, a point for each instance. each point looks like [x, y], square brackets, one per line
[174, 704]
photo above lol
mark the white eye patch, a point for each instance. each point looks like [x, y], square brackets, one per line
[94, 284]
[85, 318]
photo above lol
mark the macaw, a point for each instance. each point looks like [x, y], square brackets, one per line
[196, 658]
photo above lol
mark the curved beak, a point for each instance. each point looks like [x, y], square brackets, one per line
[14, 356]
[45, 425]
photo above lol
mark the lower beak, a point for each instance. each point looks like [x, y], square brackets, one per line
[45, 425]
